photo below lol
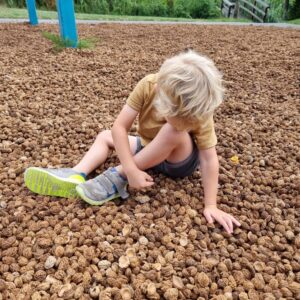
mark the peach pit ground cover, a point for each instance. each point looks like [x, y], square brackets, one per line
[157, 244]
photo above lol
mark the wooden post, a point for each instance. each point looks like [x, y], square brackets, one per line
[229, 10]
[236, 9]
[67, 23]
[33, 19]
[266, 13]
[253, 9]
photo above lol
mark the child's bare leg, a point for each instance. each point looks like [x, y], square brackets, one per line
[170, 144]
[99, 151]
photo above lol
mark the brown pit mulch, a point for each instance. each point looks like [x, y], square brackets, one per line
[157, 244]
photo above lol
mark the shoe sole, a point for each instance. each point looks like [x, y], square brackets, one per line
[44, 183]
[80, 192]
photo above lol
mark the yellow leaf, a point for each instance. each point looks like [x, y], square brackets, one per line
[235, 159]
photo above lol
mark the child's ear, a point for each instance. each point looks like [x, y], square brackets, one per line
[156, 87]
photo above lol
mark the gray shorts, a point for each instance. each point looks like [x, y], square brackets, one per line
[176, 170]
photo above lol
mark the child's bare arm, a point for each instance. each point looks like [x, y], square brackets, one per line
[210, 172]
[120, 131]
[136, 177]
[209, 164]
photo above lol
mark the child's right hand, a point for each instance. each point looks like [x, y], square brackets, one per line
[139, 179]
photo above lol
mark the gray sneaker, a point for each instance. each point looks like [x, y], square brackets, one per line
[53, 182]
[107, 186]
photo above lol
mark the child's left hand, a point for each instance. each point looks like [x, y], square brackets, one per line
[212, 213]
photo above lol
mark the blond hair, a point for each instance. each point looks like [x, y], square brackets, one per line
[189, 85]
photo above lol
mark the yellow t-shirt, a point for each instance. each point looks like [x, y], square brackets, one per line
[149, 124]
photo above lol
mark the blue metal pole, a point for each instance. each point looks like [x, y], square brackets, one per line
[33, 19]
[67, 23]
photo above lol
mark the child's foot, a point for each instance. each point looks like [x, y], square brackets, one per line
[107, 186]
[53, 182]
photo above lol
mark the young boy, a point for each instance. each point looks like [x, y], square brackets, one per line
[176, 133]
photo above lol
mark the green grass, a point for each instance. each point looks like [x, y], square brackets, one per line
[59, 44]
[295, 21]
[17, 13]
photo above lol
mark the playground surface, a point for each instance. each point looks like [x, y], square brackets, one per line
[157, 244]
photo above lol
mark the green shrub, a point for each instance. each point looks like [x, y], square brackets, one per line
[203, 9]
[294, 11]
[92, 6]
[15, 3]
[180, 9]
[122, 7]
[150, 8]
[275, 13]
[162, 8]
[196, 9]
